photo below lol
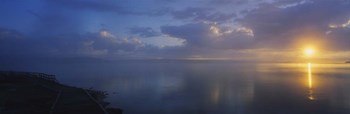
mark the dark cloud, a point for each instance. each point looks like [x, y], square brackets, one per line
[94, 5]
[14, 44]
[202, 14]
[228, 2]
[193, 33]
[111, 6]
[190, 12]
[273, 26]
[166, 1]
[144, 31]
[99, 44]
[55, 20]
[9, 34]
[51, 24]
[66, 27]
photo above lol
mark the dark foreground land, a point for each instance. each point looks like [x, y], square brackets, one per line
[38, 93]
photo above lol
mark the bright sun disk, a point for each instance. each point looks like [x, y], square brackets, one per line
[309, 52]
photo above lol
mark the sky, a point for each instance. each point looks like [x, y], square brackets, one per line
[242, 30]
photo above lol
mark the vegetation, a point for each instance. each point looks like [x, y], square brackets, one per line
[37, 93]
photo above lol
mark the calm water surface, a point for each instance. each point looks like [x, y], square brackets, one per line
[211, 87]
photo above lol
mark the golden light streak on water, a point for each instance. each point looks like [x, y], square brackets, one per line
[309, 73]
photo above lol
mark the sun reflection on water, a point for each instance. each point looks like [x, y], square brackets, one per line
[309, 73]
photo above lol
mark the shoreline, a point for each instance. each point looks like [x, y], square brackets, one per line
[30, 92]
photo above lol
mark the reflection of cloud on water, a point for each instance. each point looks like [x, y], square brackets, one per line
[169, 84]
[232, 92]
[160, 84]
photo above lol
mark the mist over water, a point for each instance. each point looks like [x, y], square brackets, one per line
[210, 87]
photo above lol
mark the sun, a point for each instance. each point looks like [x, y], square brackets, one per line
[309, 52]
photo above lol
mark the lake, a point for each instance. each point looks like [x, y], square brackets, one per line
[210, 87]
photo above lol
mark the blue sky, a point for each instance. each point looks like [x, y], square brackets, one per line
[174, 29]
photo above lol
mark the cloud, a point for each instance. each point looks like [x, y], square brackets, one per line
[343, 25]
[293, 4]
[144, 31]
[176, 29]
[99, 44]
[111, 6]
[94, 5]
[202, 15]
[270, 26]
[276, 27]
[15, 44]
[211, 36]
[9, 34]
[55, 20]
[235, 2]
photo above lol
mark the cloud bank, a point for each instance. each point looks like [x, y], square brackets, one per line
[153, 29]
